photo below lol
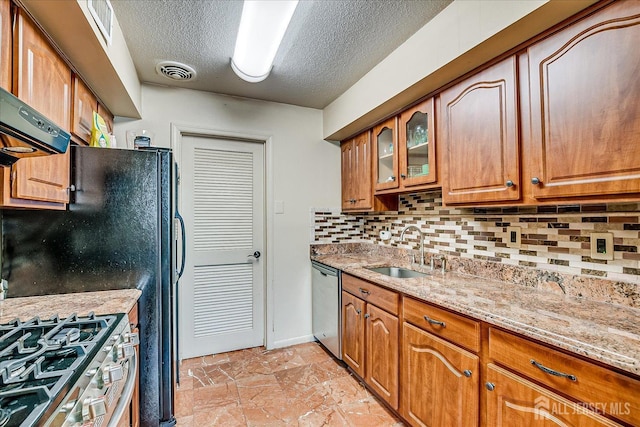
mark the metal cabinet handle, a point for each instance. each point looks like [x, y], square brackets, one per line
[403, 176]
[509, 184]
[467, 373]
[490, 386]
[553, 372]
[435, 322]
[367, 315]
[364, 291]
[358, 311]
[392, 177]
[535, 180]
[255, 255]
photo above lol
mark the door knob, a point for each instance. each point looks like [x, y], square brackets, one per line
[255, 255]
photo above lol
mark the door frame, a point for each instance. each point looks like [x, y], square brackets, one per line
[178, 130]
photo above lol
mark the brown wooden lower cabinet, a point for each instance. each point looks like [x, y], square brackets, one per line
[353, 332]
[382, 353]
[439, 381]
[514, 401]
[370, 345]
[458, 375]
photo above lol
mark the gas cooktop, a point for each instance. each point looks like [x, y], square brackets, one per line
[41, 361]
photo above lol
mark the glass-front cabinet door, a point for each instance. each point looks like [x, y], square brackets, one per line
[386, 155]
[416, 141]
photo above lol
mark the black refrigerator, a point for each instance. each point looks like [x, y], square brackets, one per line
[118, 233]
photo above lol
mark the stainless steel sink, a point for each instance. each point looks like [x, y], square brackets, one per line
[399, 272]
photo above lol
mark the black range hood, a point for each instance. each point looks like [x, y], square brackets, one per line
[26, 133]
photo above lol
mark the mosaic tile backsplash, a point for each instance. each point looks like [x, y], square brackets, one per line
[555, 239]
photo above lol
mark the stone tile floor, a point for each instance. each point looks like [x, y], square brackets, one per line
[300, 385]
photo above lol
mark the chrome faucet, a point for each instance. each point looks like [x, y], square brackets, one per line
[421, 241]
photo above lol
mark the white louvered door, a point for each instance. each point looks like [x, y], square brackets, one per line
[222, 289]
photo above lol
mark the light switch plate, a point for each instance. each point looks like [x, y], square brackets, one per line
[602, 246]
[514, 236]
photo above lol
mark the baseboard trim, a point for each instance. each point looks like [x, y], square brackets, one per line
[292, 341]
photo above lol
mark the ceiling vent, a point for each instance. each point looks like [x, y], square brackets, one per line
[102, 13]
[175, 71]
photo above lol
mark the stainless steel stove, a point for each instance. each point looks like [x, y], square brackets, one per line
[77, 371]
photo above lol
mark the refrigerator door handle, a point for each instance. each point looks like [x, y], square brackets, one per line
[183, 234]
[184, 246]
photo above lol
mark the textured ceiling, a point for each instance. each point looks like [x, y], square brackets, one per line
[329, 45]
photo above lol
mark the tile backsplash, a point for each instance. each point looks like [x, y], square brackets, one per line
[555, 239]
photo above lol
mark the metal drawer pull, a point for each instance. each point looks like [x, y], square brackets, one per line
[367, 315]
[364, 291]
[435, 322]
[552, 372]
[490, 386]
[358, 311]
[467, 373]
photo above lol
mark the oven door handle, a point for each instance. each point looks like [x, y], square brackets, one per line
[127, 392]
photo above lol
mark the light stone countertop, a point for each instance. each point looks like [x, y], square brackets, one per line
[600, 331]
[46, 306]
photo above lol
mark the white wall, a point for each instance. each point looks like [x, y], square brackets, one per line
[305, 172]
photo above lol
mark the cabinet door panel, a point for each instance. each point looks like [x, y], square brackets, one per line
[108, 118]
[362, 158]
[585, 114]
[382, 354]
[385, 149]
[84, 104]
[416, 139]
[480, 137]
[42, 178]
[591, 383]
[517, 402]
[348, 174]
[435, 389]
[43, 78]
[5, 44]
[353, 332]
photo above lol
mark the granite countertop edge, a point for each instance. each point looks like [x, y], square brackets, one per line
[64, 305]
[602, 332]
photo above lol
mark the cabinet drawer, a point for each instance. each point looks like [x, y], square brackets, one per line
[596, 386]
[455, 328]
[383, 298]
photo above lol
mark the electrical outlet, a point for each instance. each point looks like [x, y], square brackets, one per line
[514, 236]
[602, 246]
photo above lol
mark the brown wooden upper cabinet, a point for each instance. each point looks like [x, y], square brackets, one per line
[416, 142]
[5, 44]
[108, 118]
[357, 185]
[479, 123]
[43, 80]
[385, 149]
[41, 77]
[84, 104]
[357, 193]
[584, 88]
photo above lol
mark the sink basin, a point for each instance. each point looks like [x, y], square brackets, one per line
[399, 272]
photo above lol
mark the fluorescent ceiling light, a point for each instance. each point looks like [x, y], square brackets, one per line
[262, 27]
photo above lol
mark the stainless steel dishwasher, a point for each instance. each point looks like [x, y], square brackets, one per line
[326, 284]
